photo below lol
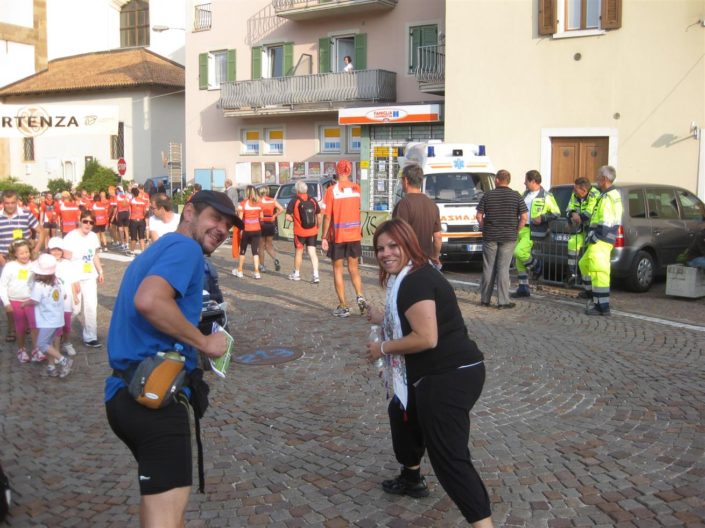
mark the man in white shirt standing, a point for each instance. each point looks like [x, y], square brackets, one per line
[164, 219]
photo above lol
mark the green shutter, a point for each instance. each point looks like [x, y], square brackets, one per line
[231, 65]
[360, 62]
[288, 59]
[324, 55]
[415, 43]
[429, 35]
[203, 71]
[257, 62]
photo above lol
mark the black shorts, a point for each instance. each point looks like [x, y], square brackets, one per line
[138, 229]
[267, 229]
[50, 225]
[252, 238]
[160, 441]
[99, 229]
[300, 241]
[123, 218]
[344, 250]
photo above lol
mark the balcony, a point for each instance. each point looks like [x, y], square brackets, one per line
[311, 9]
[430, 69]
[306, 94]
[202, 17]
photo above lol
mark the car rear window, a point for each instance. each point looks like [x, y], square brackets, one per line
[457, 187]
[637, 208]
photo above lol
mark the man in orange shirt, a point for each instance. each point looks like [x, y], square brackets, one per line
[305, 229]
[342, 235]
[69, 213]
[138, 224]
[121, 216]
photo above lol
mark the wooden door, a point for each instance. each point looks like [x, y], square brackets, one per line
[573, 157]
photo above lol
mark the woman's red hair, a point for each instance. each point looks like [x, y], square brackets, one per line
[401, 232]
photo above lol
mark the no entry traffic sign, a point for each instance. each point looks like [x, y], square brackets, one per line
[122, 166]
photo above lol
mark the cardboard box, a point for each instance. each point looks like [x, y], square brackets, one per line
[683, 281]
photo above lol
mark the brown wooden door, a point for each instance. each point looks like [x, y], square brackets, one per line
[573, 157]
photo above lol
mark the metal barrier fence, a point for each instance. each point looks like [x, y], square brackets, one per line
[553, 252]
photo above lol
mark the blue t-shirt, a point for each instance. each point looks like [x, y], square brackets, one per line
[179, 261]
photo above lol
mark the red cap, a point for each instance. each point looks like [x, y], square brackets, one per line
[343, 168]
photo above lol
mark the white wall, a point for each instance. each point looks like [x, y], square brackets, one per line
[16, 61]
[17, 12]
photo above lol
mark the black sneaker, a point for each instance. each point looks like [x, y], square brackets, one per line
[402, 486]
[277, 265]
[520, 293]
[93, 344]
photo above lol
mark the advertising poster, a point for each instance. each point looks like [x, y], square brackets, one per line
[314, 169]
[299, 169]
[284, 171]
[256, 173]
[270, 172]
[329, 168]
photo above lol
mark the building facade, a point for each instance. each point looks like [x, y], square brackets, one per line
[564, 87]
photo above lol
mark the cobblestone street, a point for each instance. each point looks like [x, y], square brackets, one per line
[584, 421]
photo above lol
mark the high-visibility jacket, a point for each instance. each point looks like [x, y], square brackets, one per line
[583, 206]
[138, 206]
[69, 213]
[100, 210]
[342, 206]
[606, 218]
[544, 205]
[251, 212]
[267, 205]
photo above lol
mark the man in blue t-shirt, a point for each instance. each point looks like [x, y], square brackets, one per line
[157, 309]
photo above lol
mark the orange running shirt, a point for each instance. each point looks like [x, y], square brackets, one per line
[342, 206]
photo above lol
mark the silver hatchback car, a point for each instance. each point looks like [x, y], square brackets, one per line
[659, 223]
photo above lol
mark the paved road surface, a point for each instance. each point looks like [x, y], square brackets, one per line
[583, 421]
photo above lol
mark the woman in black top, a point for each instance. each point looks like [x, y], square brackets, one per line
[444, 373]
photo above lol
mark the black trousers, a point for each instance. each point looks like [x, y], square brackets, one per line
[437, 419]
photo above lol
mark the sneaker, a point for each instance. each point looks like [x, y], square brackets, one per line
[237, 273]
[341, 311]
[52, 371]
[402, 486]
[316, 280]
[361, 304]
[594, 310]
[65, 367]
[277, 265]
[68, 349]
[262, 269]
[22, 356]
[520, 293]
[294, 276]
[257, 276]
[93, 344]
[37, 356]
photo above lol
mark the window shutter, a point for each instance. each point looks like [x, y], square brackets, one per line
[360, 62]
[257, 62]
[415, 43]
[547, 17]
[231, 65]
[611, 14]
[203, 71]
[429, 35]
[288, 59]
[324, 55]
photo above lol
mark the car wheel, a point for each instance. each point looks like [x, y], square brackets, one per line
[641, 275]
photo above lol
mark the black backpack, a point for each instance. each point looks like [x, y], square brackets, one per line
[307, 213]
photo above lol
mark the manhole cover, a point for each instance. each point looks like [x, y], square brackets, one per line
[267, 356]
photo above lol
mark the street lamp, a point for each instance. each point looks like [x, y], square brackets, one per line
[161, 29]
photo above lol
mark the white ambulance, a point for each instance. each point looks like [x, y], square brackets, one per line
[455, 177]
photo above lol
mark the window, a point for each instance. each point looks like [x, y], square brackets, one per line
[354, 135]
[134, 24]
[250, 142]
[274, 141]
[420, 36]
[117, 143]
[273, 61]
[636, 204]
[330, 139]
[332, 50]
[28, 149]
[662, 204]
[693, 209]
[563, 17]
[215, 68]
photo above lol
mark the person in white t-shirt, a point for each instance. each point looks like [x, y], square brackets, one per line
[81, 247]
[65, 273]
[348, 64]
[164, 219]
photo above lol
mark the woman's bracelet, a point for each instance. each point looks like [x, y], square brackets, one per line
[381, 348]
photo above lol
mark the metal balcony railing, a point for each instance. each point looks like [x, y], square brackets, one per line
[307, 9]
[431, 63]
[320, 89]
[203, 17]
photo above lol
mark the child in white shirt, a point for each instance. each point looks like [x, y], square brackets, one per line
[65, 273]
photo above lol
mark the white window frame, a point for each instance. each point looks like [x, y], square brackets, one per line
[322, 141]
[214, 79]
[245, 142]
[561, 17]
[268, 142]
[267, 63]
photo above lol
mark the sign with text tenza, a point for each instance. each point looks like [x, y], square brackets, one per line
[379, 115]
[55, 120]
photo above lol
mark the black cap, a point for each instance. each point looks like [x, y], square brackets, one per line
[220, 202]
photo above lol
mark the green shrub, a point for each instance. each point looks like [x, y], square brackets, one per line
[23, 190]
[59, 185]
[97, 178]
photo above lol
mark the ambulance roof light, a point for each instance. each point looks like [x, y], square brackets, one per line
[431, 151]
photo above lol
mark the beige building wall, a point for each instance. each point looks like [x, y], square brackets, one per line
[214, 141]
[642, 85]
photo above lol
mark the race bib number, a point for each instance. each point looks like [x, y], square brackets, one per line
[87, 267]
[22, 275]
[17, 234]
